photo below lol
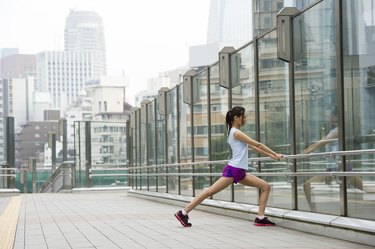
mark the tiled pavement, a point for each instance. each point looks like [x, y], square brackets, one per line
[114, 220]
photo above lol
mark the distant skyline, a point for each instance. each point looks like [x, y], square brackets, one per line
[143, 37]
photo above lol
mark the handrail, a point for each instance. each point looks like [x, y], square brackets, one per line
[109, 169]
[56, 175]
[6, 169]
[11, 175]
[251, 160]
[307, 173]
[264, 159]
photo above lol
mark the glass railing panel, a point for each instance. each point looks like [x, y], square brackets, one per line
[108, 147]
[143, 148]
[186, 181]
[3, 179]
[316, 104]
[359, 94]
[274, 115]
[219, 145]
[80, 153]
[138, 143]
[200, 127]
[243, 94]
[135, 161]
[151, 146]
[160, 148]
[172, 139]
[185, 142]
[219, 107]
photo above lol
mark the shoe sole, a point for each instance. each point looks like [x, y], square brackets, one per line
[179, 219]
[264, 225]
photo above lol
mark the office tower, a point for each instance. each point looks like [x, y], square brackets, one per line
[18, 66]
[84, 32]
[16, 99]
[63, 74]
[302, 4]
[264, 15]
[229, 24]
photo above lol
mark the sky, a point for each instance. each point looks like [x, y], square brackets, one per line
[143, 37]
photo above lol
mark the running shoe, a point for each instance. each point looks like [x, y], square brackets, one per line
[184, 219]
[263, 222]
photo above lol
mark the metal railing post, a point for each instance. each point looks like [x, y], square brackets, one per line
[33, 174]
[10, 150]
[88, 152]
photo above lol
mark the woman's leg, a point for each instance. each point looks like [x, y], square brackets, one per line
[254, 181]
[219, 185]
[307, 190]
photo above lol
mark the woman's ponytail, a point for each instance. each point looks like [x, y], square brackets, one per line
[236, 111]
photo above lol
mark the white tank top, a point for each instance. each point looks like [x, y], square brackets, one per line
[240, 151]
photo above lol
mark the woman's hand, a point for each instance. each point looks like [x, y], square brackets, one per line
[277, 156]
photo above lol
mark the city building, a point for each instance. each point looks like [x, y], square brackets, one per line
[17, 66]
[16, 96]
[145, 95]
[264, 15]
[63, 74]
[31, 139]
[229, 24]
[84, 32]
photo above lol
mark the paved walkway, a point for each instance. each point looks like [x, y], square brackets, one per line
[114, 220]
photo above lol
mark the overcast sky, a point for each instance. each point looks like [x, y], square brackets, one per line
[143, 37]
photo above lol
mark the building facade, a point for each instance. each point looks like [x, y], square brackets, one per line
[18, 66]
[264, 15]
[84, 32]
[63, 75]
[229, 24]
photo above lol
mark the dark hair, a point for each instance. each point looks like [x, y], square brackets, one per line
[236, 111]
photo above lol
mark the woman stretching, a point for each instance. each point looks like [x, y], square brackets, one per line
[235, 170]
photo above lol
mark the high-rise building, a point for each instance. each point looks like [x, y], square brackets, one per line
[264, 15]
[16, 99]
[229, 24]
[63, 75]
[84, 32]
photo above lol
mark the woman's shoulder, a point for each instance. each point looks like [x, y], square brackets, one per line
[233, 130]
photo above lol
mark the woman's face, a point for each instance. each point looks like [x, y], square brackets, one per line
[243, 119]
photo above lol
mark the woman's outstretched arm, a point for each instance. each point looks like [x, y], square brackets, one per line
[257, 146]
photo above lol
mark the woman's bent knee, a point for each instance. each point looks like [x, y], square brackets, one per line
[266, 187]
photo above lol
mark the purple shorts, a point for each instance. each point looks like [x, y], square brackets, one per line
[237, 173]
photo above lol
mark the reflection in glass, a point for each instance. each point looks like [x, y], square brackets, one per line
[219, 145]
[160, 148]
[143, 147]
[243, 94]
[316, 106]
[274, 116]
[172, 139]
[359, 82]
[151, 148]
[185, 144]
[200, 131]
